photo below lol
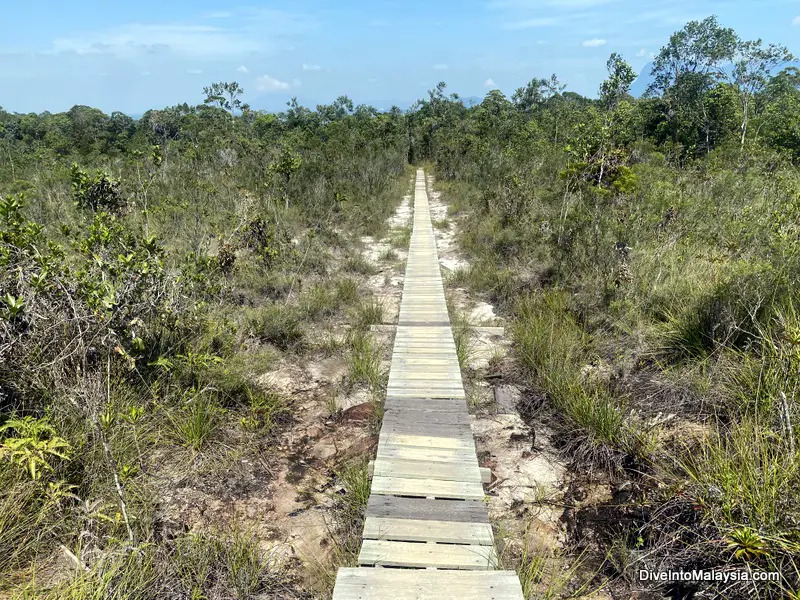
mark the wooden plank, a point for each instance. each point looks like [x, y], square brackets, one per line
[433, 393]
[420, 469]
[418, 387]
[400, 584]
[428, 509]
[428, 488]
[393, 415]
[419, 530]
[429, 454]
[426, 441]
[459, 431]
[413, 377]
[447, 405]
[411, 554]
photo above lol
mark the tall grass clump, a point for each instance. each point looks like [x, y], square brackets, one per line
[196, 422]
[363, 359]
[368, 312]
[279, 325]
[552, 349]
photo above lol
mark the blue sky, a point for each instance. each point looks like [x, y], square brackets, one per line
[131, 56]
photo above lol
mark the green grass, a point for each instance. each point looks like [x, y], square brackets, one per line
[463, 336]
[543, 572]
[368, 312]
[363, 359]
[401, 237]
[197, 421]
[346, 290]
[213, 564]
[552, 348]
[746, 475]
[358, 265]
[319, 302]
[278, 325]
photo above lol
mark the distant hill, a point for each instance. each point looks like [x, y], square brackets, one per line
[639, 85]
[471, 101]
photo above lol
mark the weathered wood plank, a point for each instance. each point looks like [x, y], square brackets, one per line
[419, 530]
[392, 416]
[420, 469]
[433, 488]
[466, 511]
[459, 431]
[399, 584]
[411, 554]
[418, 403]
[426, 441]
[429, 454]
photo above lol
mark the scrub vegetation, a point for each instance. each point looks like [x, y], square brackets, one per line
[646, 252]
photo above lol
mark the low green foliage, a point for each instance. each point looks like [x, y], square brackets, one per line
[363, 359]
[266, 412]
[401, 237]
[277, 325]
[32, 444]
[222, 563]
[196, 422]
[368, 312]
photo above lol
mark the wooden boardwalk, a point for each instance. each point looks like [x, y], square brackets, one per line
[426, 516]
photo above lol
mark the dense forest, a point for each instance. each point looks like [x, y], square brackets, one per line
[644, 252]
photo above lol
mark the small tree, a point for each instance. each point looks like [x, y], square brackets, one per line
[752, 71]
[285, 165]
[225, 95]
[536, 93]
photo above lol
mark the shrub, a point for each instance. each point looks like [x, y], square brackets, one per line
[277, 325]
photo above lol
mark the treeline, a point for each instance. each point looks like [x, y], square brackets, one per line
[708, 88]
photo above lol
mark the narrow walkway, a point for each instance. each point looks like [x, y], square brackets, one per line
[426, 515]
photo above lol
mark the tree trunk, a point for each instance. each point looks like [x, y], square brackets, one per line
[745, 106]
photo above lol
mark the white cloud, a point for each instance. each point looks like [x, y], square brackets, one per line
[489, 83]
[641, 52]
[440, 67]
[594, 43]
[308, 67]
[796, 20]
[136, 38]
[265, 83]
[254, 31]
[242, 69]
[194, 71]
[145, 73]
